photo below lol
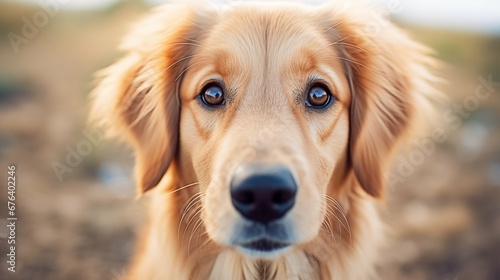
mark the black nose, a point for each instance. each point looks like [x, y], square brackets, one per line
[263, 193]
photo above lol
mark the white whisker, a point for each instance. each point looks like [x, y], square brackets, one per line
[191, 202]
[184, 187]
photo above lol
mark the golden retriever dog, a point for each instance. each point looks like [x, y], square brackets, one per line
[263, 133]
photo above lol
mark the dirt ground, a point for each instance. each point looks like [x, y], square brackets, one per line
[443, 214]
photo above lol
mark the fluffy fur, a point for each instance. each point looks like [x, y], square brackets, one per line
[265, 54]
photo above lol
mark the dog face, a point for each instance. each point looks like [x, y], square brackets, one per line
[264, 122]
[269, 108]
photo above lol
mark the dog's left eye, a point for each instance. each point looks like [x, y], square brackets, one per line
[212, 95]
[318, 97]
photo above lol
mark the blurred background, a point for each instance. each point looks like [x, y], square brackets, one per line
[75, 194]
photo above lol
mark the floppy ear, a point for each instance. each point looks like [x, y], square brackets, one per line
[137, 96]
[389, 82]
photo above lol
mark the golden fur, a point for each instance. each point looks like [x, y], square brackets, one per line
[264, 53]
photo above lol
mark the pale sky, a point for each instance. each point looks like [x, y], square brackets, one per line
[471, 15]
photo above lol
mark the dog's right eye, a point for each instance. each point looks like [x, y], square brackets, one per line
[212, 95]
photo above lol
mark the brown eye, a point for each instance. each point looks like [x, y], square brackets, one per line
[212, 95]
[318, 97]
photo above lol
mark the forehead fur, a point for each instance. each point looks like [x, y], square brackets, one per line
[245, 32]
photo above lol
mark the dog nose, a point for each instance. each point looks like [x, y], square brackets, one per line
[263, 193]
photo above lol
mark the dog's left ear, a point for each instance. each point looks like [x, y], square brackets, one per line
[389, 80]
[137, 97]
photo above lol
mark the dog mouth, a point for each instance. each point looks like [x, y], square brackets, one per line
[263, 241]
[264, 245]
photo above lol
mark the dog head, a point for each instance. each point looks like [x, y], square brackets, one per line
[271, 109]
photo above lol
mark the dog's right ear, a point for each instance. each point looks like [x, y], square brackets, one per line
[137, 97]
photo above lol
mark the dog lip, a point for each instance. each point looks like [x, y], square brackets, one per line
[264, 244]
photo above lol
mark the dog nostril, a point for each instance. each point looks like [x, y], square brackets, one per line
[282, 196]
[244, 197]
